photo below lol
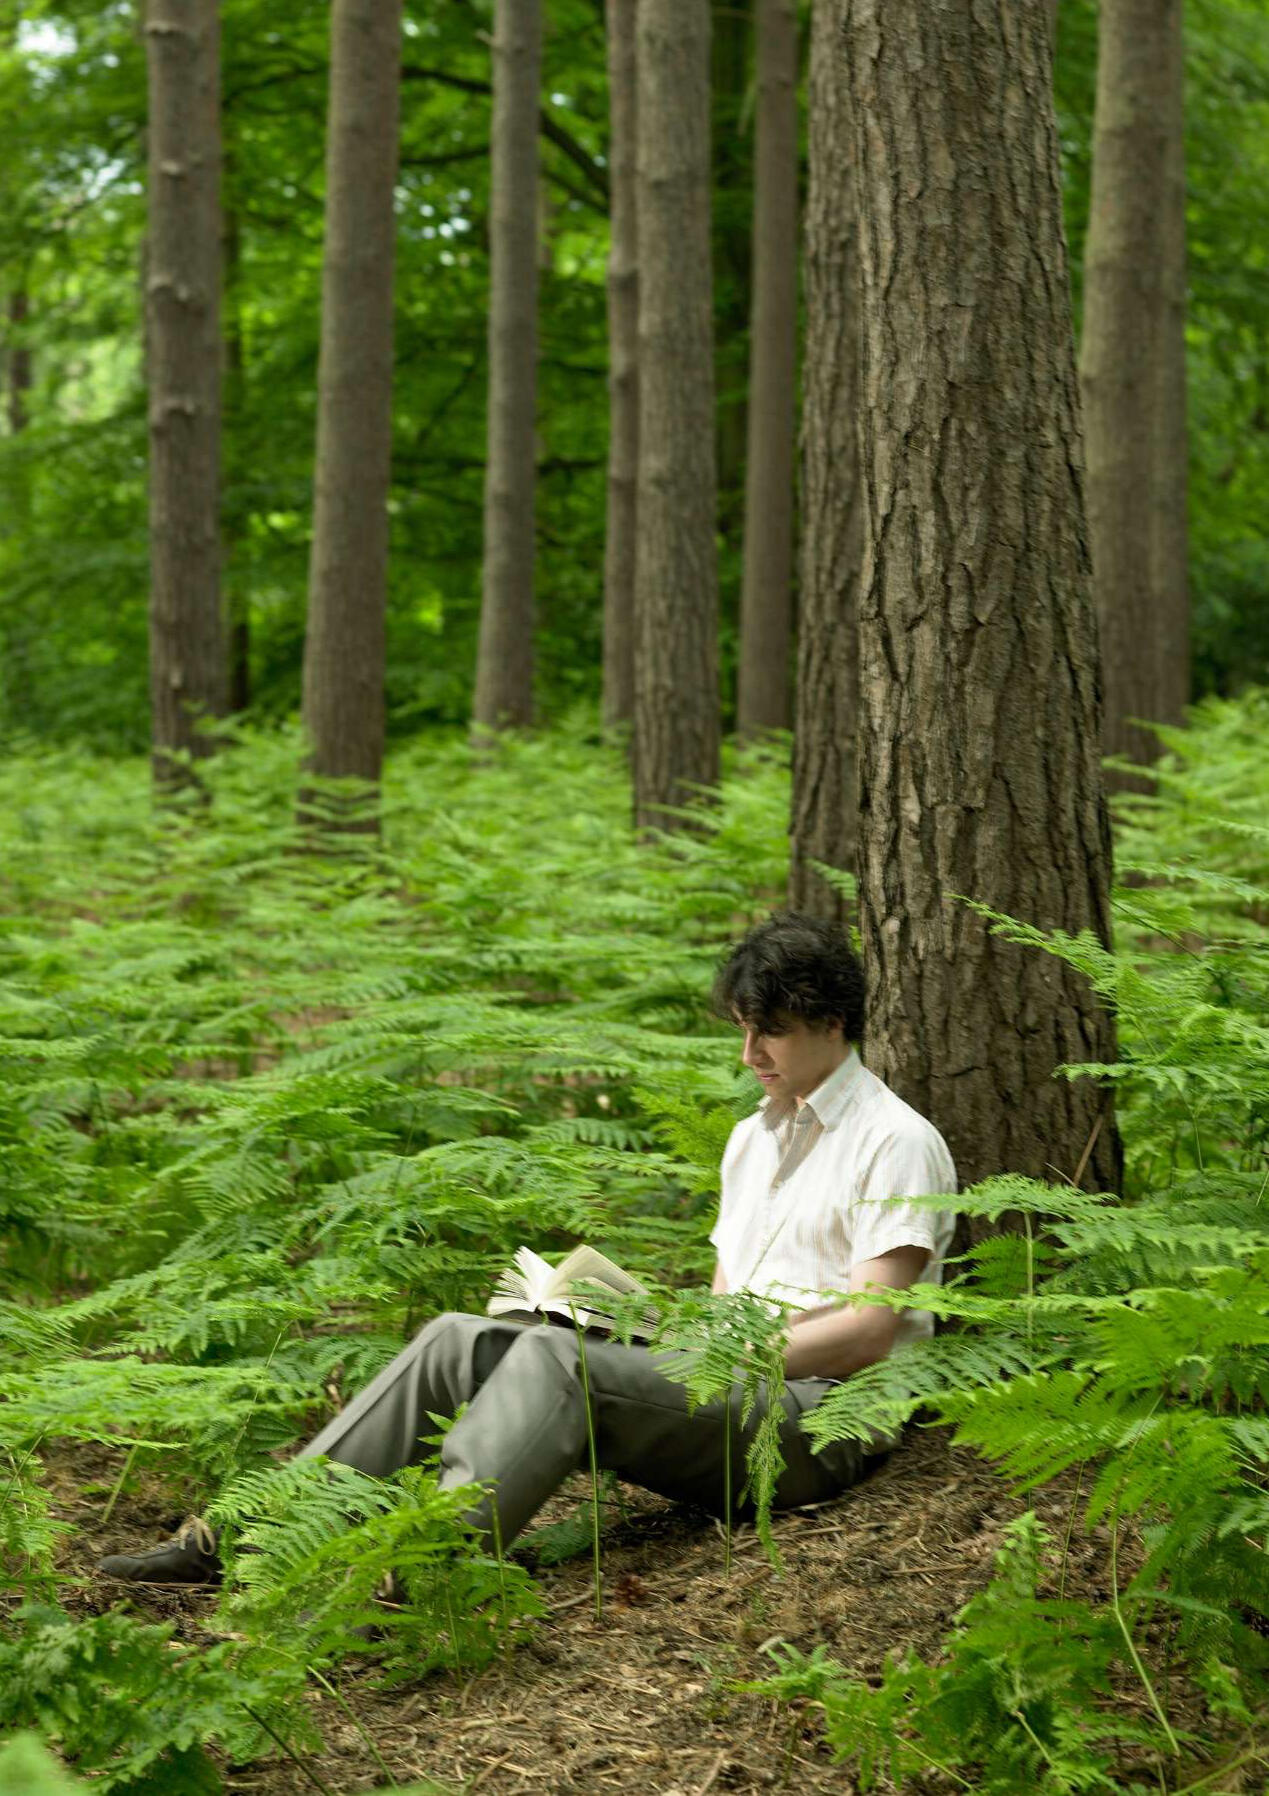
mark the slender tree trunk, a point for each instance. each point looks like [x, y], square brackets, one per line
[1132, 368]
[676, 577]
[623, 369]
[344, 645]
[20, 374]
[504, 667]
[1171, 544]
[824, 798]
[233, 508]
[19, 370]
[187, 647]
[979, 700]
[731, 235]
[766, 607]
[19, 361]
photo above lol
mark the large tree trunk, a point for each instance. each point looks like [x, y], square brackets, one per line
[1132, 370]
[504, 667]
[676, 579]
[766, 606]
[831, 512]
[187, 646]
[344, 645]
[979, 700]
[623, 369]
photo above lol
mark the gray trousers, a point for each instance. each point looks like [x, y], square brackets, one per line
[524, 1429]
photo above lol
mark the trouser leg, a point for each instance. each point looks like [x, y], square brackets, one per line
[524, 1430]
[645, 1433]
[383, 1427]
[525, 1427]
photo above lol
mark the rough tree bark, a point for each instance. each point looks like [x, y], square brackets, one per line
[831, 510]
[676, 577]
[187, 646]
[979, 693]
[504, 666]
[731, 227]
[623, 369]
[344, 644]
[1132, 370]
[766, 604]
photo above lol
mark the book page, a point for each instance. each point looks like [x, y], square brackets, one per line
[521, 1286]
[532, 1286]
[588, 1263]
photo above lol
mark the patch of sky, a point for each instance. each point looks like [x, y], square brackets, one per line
[40, 37]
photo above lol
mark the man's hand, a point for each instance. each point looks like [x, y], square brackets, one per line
[836, 1340]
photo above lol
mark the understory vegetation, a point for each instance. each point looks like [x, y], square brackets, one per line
[264, 1110]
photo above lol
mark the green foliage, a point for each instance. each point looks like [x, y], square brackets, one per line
[316, 1540]
[265, 1111]
[28, 1532]
[27, 1769]
[73, 559]
[121, 1700]
[1226, 106]
[554, 1543]
[728, 1349]
[1017, 1703]
[72, 219]
[1129, 1341]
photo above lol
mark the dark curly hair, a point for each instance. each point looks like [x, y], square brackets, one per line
[792, 968]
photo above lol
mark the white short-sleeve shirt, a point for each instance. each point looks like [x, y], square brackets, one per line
[802, 1191]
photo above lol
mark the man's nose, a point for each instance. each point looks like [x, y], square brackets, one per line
[750, 1055]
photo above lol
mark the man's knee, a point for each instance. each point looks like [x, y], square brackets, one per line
[463, 1350]
[549, 1347]
[444, 1324]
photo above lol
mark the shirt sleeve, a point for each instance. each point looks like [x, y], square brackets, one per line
[902, 1167]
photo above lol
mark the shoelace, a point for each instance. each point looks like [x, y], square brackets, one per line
[390, 1590]
[194, 1531]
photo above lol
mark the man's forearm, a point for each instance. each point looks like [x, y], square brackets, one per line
[833, 1342]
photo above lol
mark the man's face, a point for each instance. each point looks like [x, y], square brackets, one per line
[791, 1061]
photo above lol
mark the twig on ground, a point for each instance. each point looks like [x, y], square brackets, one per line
[488, 1771]
[712, 1773]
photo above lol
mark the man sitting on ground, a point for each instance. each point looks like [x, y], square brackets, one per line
[803, 1181]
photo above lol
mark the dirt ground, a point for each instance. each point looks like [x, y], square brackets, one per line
[641, 1700]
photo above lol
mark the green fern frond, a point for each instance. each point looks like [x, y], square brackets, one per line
[885, 1395]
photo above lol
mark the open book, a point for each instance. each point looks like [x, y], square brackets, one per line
[531, 1288]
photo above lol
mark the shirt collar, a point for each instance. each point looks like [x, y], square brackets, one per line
[829, 1101]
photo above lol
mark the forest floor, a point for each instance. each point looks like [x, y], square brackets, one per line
[642, 1699]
